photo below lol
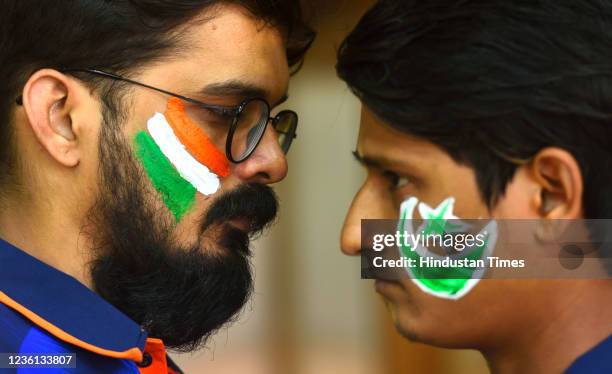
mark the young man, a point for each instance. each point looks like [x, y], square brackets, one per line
[136, 150]
[505, 106]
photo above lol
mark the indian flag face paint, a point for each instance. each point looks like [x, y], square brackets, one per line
[443, 282]
[179, 158]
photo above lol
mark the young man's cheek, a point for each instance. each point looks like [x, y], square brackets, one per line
[431, 272]
[520, 200]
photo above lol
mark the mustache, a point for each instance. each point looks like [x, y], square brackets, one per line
[257, 203]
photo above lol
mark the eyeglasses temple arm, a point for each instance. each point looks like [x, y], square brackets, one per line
[120, 78]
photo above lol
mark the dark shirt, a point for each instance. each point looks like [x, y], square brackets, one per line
[45, 311]
[597, 360]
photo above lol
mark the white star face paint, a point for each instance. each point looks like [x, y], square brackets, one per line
[452, 282]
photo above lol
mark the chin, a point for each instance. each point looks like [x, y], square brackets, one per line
[435, 324]
[422, 332]
[410, 326]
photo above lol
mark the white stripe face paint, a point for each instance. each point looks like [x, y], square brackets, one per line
[198, 175]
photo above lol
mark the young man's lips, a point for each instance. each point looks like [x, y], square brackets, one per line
[384, 287]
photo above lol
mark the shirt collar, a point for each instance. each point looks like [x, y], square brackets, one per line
[596, 360]
[64, 307]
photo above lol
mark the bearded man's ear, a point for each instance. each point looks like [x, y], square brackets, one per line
[50, 100]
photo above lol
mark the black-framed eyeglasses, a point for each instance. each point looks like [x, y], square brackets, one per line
[247, 122]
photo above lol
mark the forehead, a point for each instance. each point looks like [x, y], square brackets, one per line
[435, 175]
[228, 43]
[376, 137]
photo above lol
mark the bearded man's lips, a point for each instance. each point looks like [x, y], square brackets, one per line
[239, 215]
[249, 207]
[242, 224]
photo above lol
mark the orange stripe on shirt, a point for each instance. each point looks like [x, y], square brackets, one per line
[195, 140]
[133, 354]
[155, 347]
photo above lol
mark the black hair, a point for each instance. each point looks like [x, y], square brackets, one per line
[493, 82]
[113, 35]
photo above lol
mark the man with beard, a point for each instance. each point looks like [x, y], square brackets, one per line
[497, 110]
[137, 143]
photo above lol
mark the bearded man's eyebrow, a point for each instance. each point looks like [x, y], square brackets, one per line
[240, 89]
[281, 101]
[234, 88]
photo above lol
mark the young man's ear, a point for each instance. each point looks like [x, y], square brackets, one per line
[560, 184]
[48, 99]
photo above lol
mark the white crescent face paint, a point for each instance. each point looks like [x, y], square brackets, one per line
[448, 282]
[198, 175]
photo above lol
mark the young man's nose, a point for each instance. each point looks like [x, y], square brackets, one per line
[367, 204]
[267, 164]
[350, 240]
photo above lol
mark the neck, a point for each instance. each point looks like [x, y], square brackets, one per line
[564, 333]
[45, 231]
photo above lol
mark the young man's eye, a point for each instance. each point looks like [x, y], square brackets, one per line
[396, 180]
[401, 182]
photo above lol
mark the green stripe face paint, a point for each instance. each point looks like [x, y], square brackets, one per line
[177, 193]
[443, 282]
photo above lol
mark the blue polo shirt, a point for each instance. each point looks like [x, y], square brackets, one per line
[597, 360]
[43, 310]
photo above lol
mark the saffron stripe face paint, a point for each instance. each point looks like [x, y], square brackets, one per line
[195, 140]
[444, 282]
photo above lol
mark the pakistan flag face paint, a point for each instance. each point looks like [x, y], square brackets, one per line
[179, 158]
[443, 282]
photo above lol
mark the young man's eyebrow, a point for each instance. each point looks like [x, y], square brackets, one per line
[369, 161]
[358, 157]
[236, 88]
[380, 162]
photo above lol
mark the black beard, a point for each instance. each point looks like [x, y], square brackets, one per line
[178, 294]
